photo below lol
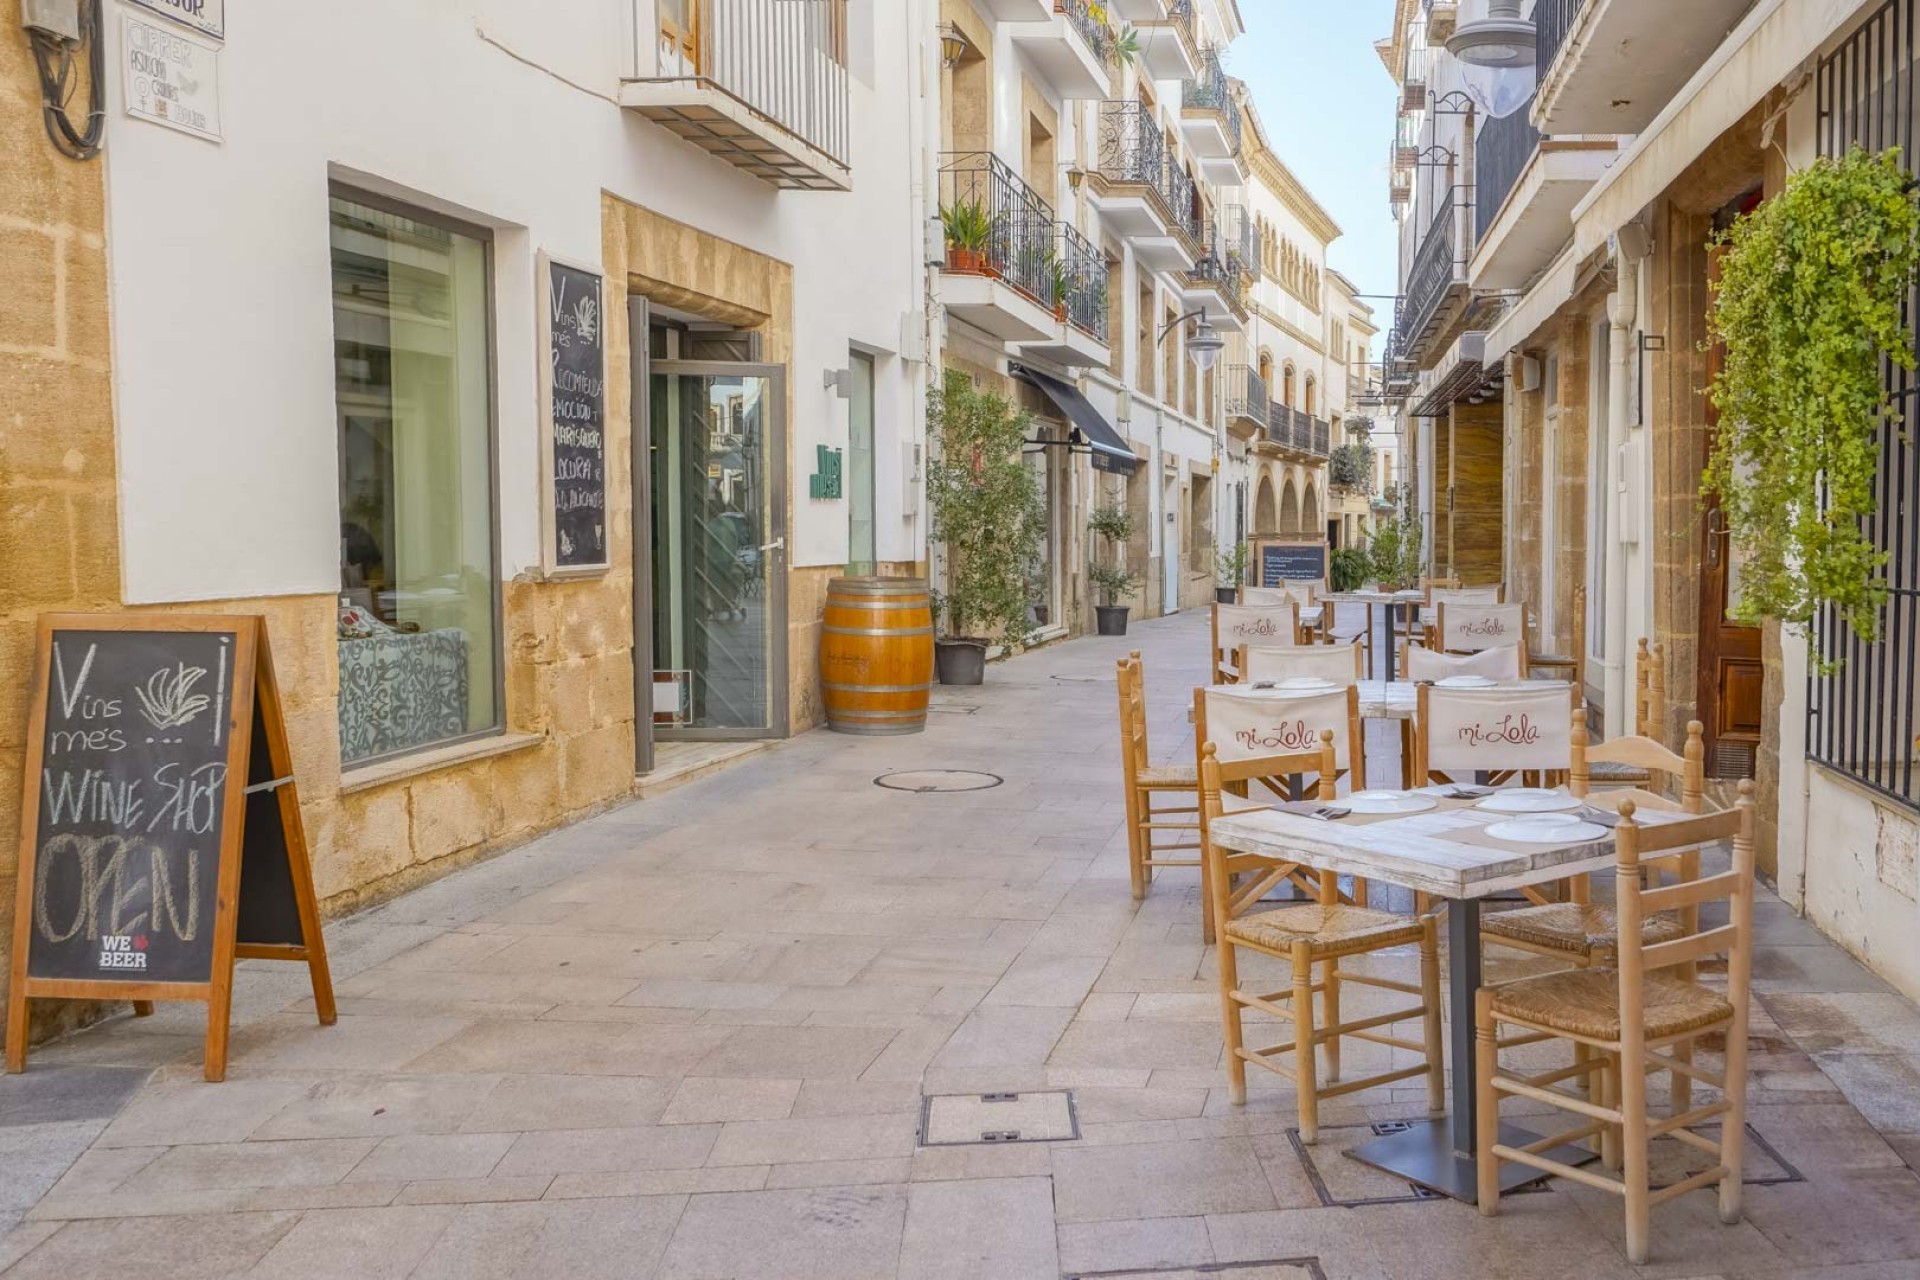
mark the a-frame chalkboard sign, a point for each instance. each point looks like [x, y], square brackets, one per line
[160, 834]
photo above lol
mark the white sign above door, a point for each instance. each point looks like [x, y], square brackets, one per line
[209, 16]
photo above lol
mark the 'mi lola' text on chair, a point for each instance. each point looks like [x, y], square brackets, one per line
[1254, 734]
[1469, 628]
[1154, 829]
[1235, 625]
[1633, 1020]
[1339, 663]
[1320, 934]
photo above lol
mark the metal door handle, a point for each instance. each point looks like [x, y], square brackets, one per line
[778, 544]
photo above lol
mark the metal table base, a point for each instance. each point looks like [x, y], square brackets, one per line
[1440, 1155]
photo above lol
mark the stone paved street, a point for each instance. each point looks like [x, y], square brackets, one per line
[690, 1039]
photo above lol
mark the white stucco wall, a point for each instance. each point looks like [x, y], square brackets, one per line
[501, 113]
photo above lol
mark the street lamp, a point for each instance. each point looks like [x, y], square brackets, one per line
[1204, 344]
[1496, 56]
[953, 46]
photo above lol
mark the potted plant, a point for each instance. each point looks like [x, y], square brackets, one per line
[1348, 568]
[1229, 571]
[969, 230]
[989, 517]
[1061, 284]
[1114, 524]
[1395, 553]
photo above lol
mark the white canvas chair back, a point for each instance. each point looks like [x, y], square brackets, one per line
[1268, 597]
[1235, 625]
[1339, 663]
[1350, 619]
[1497, 664]
[1511, 727]
[1308, 589]
[1466, 595]
[1250, 726]
[1471, 628]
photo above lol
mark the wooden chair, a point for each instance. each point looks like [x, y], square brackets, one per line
[1254, 731]
[1235, 625]
[1266, 597]
[1322, 933]
[1573, 666]
[1348, 621]
[1650, 691]
[1457, 594]
[1338, 663]
[1577, 931]
[1146, 785]
[1445, 584]
[1625, 1017]
[1508, 662]
[1469, 628]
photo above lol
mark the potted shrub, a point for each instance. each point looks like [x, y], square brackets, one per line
[1395, 553]
[969, 230]
[1348, 568]
[989, 517]
[1114, 524]
[1229, 571]
[1061, 284]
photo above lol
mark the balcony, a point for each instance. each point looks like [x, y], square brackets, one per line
[761, 84]
[1240, 242]
[1210, 119]
[1294, 431]
[1138, 11]
[1139, 193]
[1610, 66]
[1215, 286]
[1169, 46]
[1436, 287]
[1413, 83]
[1526, 188]
[1072, 49]
[1443, 18]
[1018, 10]
[1005, 287]
[1248, 407]
[1080, 287]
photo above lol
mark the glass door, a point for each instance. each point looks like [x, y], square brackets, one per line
[716, 476]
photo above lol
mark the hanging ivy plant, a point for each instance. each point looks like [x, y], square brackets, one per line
[1809, 305]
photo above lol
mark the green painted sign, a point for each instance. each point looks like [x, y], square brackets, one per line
[825, 481]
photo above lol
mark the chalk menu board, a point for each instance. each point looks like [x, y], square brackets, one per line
[1300, 561]
[160, 819]
[133, 793]
[577, 407]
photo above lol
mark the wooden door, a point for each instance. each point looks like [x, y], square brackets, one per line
[1477, 527]
[1731, 673]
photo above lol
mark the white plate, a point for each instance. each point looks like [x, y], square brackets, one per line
[1307, 682]
[1388, 802]
[1465, 682]
[1529, 800]
[1552, 828]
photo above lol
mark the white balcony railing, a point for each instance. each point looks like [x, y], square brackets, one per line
[783, 59]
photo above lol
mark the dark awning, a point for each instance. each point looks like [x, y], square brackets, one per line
[1110, 452]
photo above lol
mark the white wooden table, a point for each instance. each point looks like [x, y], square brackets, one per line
[1426, 852]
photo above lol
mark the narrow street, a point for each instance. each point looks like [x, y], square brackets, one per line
[693, 1038]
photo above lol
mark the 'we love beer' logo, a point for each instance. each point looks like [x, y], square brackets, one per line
[1518, 731]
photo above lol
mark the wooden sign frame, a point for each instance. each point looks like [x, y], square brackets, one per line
[254, 703]
[1260, 546]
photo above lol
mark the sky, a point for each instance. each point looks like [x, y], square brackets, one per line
[1327, 106]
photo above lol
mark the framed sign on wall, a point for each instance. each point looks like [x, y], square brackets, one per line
[574, 419]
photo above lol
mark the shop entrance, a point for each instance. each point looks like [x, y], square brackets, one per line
[709, 535]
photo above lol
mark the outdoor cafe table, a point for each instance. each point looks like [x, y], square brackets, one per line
[1447, 853]
[1383, 654]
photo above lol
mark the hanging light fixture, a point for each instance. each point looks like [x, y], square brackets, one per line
[953, 46]
[1496, 55]
[1205, 345]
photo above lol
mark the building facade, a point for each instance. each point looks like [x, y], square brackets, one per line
[1584, 272]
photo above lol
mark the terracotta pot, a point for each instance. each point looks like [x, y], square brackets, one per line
[1060, 312]
[965, 261]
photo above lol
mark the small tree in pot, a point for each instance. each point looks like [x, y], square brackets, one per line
[1229, 571]
[989, 516]
[1114, 524]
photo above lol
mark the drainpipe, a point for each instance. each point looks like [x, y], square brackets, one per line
[1623, 309]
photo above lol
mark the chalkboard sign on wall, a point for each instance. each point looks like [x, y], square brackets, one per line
[577, 417]
[160, 825]
[1282, 562]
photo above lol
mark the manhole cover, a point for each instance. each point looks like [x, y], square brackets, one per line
[967, 1119]
[921, 781]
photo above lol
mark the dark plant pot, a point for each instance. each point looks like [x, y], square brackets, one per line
[1226, 595]
[1041, 614]
[1111, 619]
[961, 661]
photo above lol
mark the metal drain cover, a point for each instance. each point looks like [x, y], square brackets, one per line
[970, 1119]
[922, 781]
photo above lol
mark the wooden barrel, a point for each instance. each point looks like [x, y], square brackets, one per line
[876, 655]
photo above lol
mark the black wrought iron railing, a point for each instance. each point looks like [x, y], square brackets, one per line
[1501, 153]
[1435, 265]
[1133, 150]
[1298, 430]
[1240, 240]
[1083, 273]
[1863, 714]
[1246, 393]
[1213, 269]
[1019, 225]
[1210, 91]
[1098, 35]
[1552, 19]
[783, 58]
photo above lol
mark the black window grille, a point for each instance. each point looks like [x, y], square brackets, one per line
[1863, 719]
